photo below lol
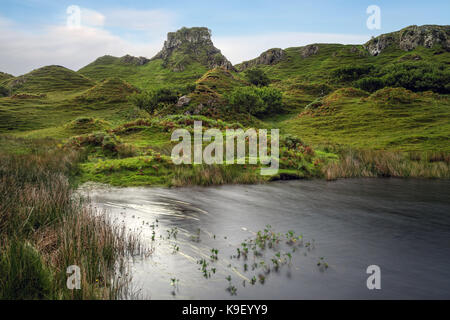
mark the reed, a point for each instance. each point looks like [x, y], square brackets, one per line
[380, 163]
[46, 227]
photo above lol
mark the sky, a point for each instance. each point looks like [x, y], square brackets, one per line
[35, 33]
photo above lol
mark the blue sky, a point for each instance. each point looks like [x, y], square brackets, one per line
[34, 33]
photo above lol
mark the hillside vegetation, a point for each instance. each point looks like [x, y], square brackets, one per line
[388, 95]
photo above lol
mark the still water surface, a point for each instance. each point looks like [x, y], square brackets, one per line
[403, 226]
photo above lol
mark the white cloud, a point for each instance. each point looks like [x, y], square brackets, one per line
[21, 52]
[242, 48]
[151, 21]
[91, 18]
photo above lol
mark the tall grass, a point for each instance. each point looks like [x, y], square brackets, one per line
[373, 163]
[207, 175]
[45, 227]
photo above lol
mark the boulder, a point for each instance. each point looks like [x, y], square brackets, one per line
[183, 101]
[309, 50]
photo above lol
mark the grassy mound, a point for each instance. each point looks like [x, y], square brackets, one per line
[211, 87]
[86, 124]
[111, 90]
[49, 79]
[341, 94]
[393, 95]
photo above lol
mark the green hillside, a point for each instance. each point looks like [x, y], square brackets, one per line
[390, 95]
[49, 79]
[151, 74]
[5, 76]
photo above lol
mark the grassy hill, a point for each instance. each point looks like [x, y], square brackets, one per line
[393, 119]
[49, 79]
[151, 74]
[390, 94]
[5, 76]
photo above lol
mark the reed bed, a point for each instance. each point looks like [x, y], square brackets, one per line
[379, 163]
[46, 227]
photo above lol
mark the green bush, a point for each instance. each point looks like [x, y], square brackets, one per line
[157, 99]
[291, 141]
[417, 76]
[351, 73]
[370, 84]
[247, 99]
[4, 92]
[257, 77]
[256, 101]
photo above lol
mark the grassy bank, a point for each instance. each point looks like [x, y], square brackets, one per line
[45, 227]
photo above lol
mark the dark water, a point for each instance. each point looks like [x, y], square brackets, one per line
[403, 226]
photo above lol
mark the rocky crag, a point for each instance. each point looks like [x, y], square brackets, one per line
[189, 45]
[410, 38]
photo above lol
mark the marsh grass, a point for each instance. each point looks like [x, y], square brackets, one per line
[46, 227]
[379, 163]
[206, 175]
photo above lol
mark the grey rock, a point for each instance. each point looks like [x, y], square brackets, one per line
[192, 44]
[410, 38]
[309, 50]
[269, 57]
[138, 61]
[183, 101]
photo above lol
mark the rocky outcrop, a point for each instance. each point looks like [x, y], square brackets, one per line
[189, 45]
[137, 61]
[269, 57]
[410, 38]
[309, 50]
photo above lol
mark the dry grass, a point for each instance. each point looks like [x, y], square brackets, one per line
[371, 163]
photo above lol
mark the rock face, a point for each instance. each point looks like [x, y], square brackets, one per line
[410, 38]
[189, 45]
[309, 50]
[137, 61]
[270, 57]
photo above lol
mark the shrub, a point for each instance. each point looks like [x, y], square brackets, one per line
[351, 73]
[4, 92]
[291, 142]
[257, 77]
[417, 76]
[246, 99]
[150, 101]
[272, 99]
[369, 84]
[256, 101]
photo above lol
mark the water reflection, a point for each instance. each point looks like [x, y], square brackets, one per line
[401, 225]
